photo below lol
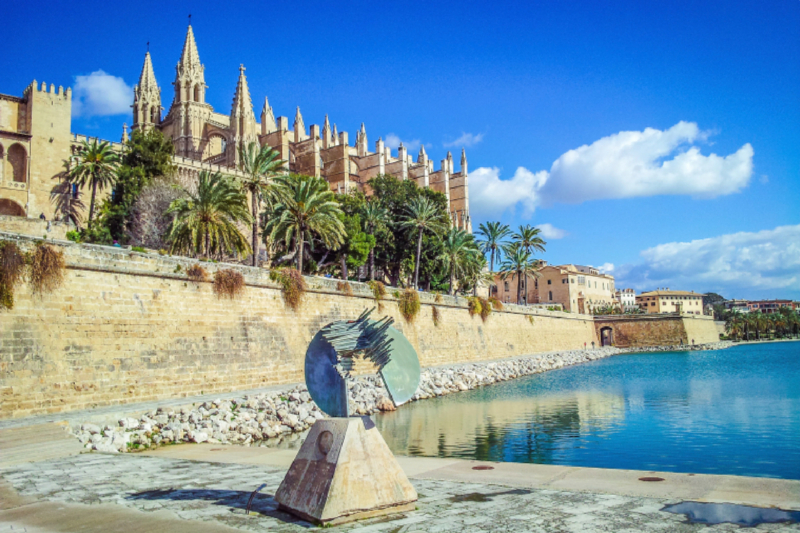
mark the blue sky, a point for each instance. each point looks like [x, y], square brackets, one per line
[701, 191]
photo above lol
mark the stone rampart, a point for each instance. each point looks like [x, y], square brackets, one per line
[656, 330]
[34, 227]
[129, 327]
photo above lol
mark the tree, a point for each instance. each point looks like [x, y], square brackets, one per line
[374, 216]
[205, 221]
[259, 165]
[528, 239]
[460, 249]
[357, 245]
[68, 203]
[305, 205]
[517, 263]
[95, 165]
[493, 234]
[422, 215]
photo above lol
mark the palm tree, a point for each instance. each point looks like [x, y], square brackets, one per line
[460, 250]
[205, 221]
[374, 215]
[517, 263]
[423, 215]
[95, 165]
[305, 206]
[477, 273]
[493, 234]
[259, 165]
[735, 323]
[528, 239]
[68, 206]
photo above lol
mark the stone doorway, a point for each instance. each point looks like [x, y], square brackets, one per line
[606, 336]
[10, 207]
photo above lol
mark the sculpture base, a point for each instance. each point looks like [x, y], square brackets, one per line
[343, 472]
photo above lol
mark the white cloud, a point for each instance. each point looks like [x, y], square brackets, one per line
[606, 268]
[623, 165]
[745, 264]
[549, 231]
[490, 196]
[393, 141]
[465, 141]
[101, 94]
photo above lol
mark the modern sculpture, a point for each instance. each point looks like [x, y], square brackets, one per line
[344, 470]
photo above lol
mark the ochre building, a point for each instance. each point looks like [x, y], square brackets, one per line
[35, 139]
[667, 301]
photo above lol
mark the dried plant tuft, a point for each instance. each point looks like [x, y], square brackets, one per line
[47, 269]
[293, 284]
[228, 283]
[197, 273]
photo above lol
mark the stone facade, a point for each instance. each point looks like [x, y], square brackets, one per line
[128, 327]
[667, 301]
[576, 288]
[35, 140]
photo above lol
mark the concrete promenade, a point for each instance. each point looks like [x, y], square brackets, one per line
[203, 488]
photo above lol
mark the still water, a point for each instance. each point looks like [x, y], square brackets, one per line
[734, 411]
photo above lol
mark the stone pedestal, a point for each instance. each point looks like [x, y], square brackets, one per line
[345, 471]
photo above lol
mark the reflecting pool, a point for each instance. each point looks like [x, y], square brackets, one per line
[734, 411]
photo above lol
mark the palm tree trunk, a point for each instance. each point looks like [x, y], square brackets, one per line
[519, 285]
[344, 267]
[91, 205]
[300, 239]
[492, 263]
[205, 250]
[419, 251]
[372, 264]
[452, 289]
[255, 228]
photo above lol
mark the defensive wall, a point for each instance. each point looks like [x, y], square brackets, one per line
[130, 327]
[656, 330]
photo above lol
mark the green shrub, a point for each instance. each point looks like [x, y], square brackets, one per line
[138, 249]
[12, 269]
[378, 292]
[74, 236]
[293, 284]
[409, 305]
[228, 283]
[474, 305]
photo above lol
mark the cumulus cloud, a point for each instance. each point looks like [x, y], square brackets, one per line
[745, 264]
[465, 141]
[551, 232]
[100, 94]
[490, 196]
[624, 165]
[606, 268]
[393, 141]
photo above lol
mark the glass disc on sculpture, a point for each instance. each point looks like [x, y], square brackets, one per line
[332, 351]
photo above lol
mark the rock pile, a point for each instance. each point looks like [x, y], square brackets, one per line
[252, 419]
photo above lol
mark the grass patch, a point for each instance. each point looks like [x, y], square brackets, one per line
[47, 269]
[293, 285]
[139, 249]
[228, 283]
[496, 303]
[197, 273]
[378, 292]
[12, 268]
[409, 305]
[345, 288]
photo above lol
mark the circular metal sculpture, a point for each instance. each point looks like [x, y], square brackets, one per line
[332, 353]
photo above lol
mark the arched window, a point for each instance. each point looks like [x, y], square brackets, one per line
[10, 207]
[18, 159]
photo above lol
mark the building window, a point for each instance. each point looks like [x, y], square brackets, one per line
[572, 280]
[549, 281]
[505, 286]
[550, 294]
[18, 158]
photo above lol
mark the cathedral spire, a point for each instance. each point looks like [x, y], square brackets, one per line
[463, 162]
[243, 120]
[190, 56]
[146, 98]
[299, 127]
[242, 104]
[267, 118]
[422, 155]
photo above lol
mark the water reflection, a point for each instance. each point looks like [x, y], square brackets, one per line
[743, 515]
[733, 411]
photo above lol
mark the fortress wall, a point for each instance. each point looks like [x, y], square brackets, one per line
[658, 330]
[35, 227]
[130, 327]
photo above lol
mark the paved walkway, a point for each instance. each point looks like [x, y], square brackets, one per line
[206, 488]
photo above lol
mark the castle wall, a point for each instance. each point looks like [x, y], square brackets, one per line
[128, 327]
[664, 330]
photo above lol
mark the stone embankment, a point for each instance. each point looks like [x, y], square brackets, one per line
[253, 419]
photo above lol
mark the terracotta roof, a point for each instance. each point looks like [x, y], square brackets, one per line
[670, 293]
